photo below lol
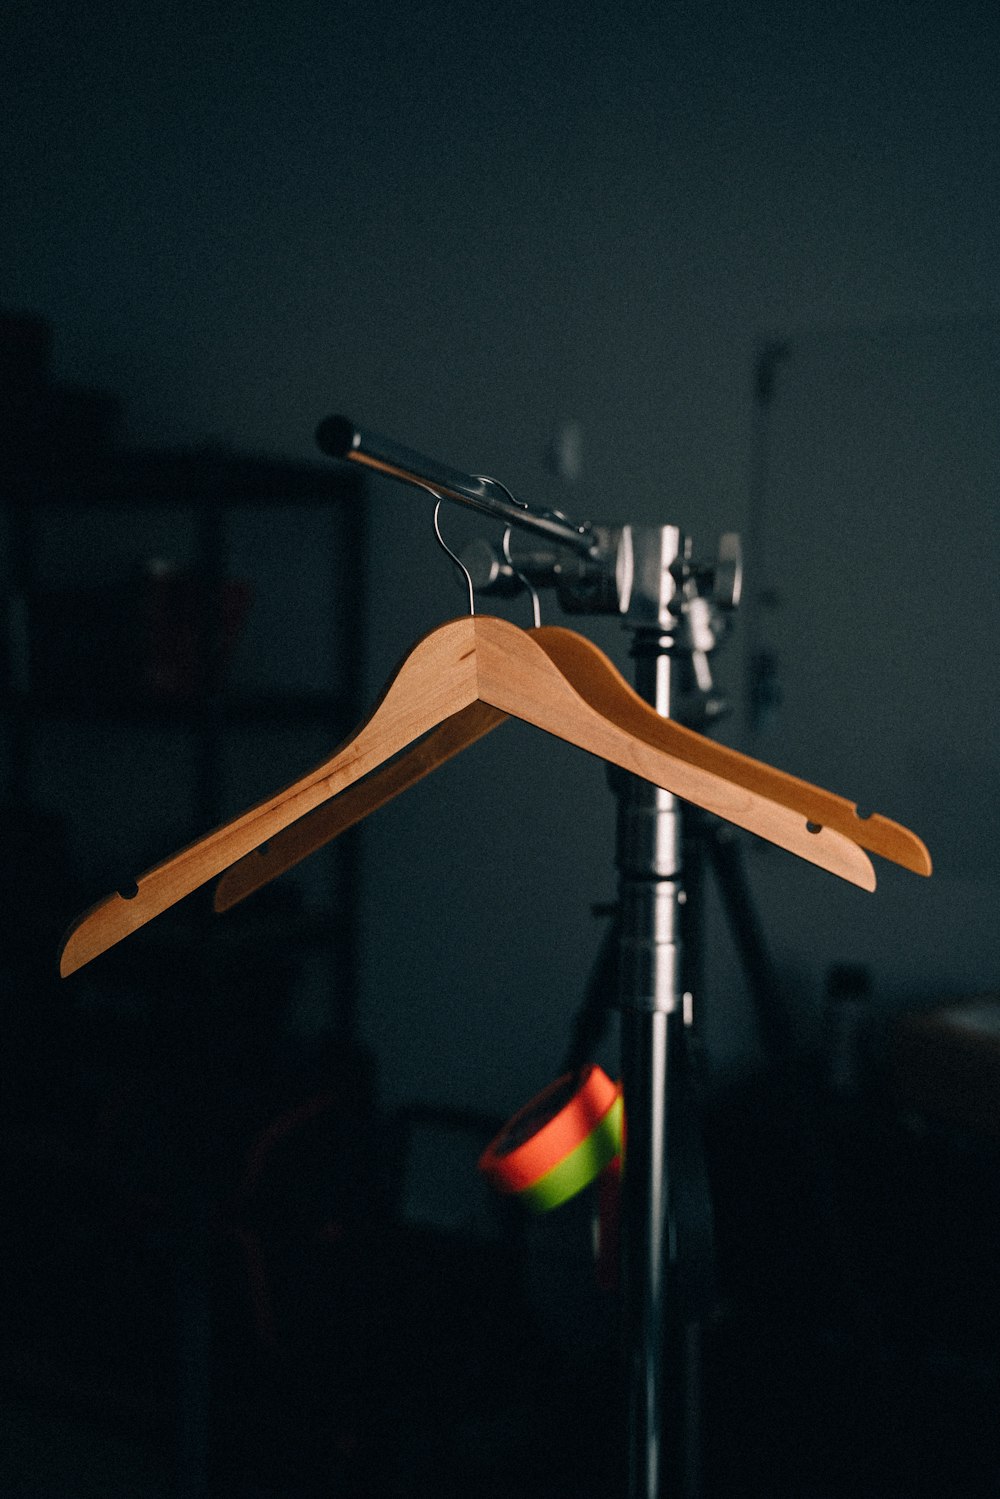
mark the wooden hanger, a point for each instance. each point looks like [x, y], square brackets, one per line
[594, 677]
[474, 660]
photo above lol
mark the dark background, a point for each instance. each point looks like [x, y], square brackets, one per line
[491, 233]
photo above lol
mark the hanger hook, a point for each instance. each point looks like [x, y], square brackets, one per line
[536, 605]
[444, 545]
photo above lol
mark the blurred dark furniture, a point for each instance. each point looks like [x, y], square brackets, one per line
[182, 632]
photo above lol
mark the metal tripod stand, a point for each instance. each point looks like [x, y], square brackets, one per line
[650, 968]
[672, 608]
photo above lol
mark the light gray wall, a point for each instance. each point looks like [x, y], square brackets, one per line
[466, 227]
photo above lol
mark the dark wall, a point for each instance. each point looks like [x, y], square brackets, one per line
[469, 227]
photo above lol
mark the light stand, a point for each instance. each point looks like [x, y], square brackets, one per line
[673, 631]
[644, 575]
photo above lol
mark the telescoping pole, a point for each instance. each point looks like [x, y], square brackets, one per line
[651, 895]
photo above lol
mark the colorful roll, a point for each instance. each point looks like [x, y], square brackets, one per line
[559, 1142]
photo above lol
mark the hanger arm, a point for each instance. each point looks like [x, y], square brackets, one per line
[321, 826]
[603, 686]
[517, 676]
[436, 680]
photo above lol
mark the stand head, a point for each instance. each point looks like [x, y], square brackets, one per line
[647, 577]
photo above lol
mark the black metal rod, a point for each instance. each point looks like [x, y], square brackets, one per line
[339, 437]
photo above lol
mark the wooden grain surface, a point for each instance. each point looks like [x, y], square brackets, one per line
[551, 678]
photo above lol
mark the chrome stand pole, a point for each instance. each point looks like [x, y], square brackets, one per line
[651, 894]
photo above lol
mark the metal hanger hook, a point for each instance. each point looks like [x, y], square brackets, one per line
[536, 603]
[445, 547]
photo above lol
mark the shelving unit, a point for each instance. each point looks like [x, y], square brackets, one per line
[181, 632]
[126, 655]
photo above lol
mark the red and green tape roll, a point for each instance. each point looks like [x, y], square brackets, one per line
[559, 1142]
